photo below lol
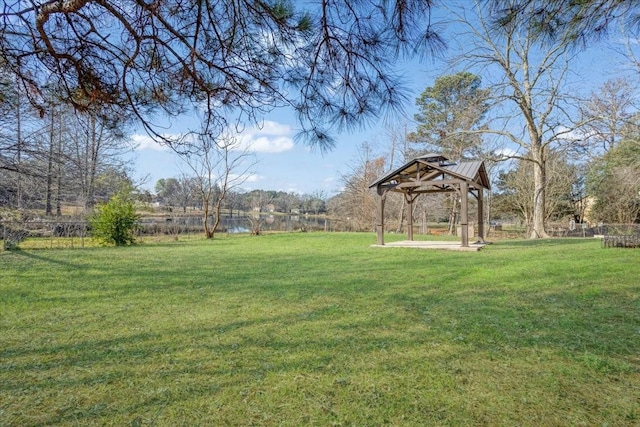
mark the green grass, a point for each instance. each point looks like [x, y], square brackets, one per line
[320, 329]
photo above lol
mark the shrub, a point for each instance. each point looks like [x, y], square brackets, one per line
[12, 237]
[115, 222]
[12, 228]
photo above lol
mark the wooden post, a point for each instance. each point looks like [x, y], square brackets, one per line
[480, 216]
[380, 217]
[464, 213]
[409, 199]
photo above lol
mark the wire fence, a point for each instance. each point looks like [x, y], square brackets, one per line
[621, 236]
[77, 233]
[51, 234]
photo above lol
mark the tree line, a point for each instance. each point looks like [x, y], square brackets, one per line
[556, 151]
[71, 70]
[57, 157]
[181, 195]
[591, 176]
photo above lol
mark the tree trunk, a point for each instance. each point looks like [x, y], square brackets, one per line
[49, 191]
[453, 212]
[19, 154]
[218, 209]
[59, 172]
[208, 232]
[539, 194]
[92, 169]
[402, 212]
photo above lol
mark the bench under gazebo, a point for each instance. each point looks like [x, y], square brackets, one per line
[434, 173]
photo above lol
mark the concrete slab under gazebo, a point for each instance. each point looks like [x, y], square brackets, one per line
[434, 173]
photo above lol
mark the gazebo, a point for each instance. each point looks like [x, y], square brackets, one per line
[433, 173]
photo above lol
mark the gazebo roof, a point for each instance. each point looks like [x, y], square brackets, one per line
[433, 173]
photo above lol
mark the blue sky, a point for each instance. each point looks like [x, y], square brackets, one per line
[282, 163]
[285, 165]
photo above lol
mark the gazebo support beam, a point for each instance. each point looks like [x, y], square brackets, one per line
[480, 216]
[380, 217]
[464, 213]
[410, 198]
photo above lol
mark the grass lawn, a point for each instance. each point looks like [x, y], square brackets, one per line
[320, 329]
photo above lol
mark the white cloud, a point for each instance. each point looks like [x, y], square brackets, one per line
[271, 137]
[266, 144]
[145, 142]
[571, 135]
[275, 128]
[505, 153]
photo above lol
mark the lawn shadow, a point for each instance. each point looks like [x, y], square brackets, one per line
[311, 325]
[50, 260]
[571, 321]
[536, 243]
[237, 355]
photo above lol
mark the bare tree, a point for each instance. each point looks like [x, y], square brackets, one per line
[515, 187]
[609, 113]
[530, 81]
[178, 191]
[333, 61]
[219, 165]
[19, 129]
[399, 153]
[614, 182]
[314, 203]
[53, 160]
[357, 203]
[618, 195]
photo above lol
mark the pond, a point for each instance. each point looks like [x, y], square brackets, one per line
[239, 223]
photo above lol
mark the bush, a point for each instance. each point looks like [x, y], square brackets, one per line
[115, 222]
[12, 237]
[12, 228]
